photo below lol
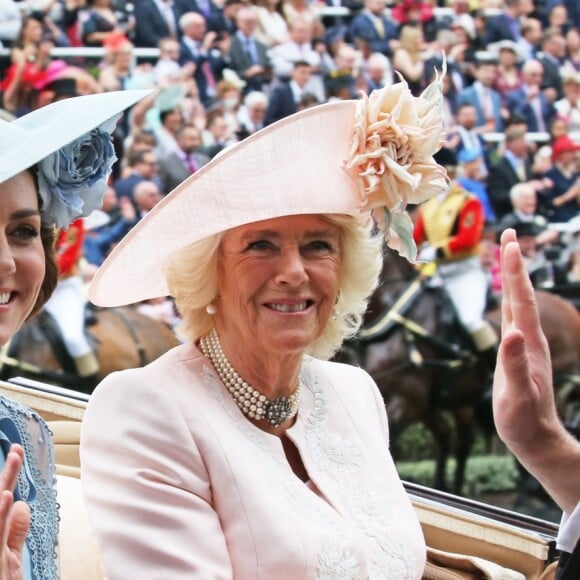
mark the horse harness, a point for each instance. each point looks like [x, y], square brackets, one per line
[394, 317]
[119, 313]
[48, 330]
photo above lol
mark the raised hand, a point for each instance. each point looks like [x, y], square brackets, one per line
[523, 397]
[14, 518]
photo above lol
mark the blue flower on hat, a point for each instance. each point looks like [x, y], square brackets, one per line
[72, 180]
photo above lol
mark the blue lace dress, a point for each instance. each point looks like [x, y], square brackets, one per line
[36, 486]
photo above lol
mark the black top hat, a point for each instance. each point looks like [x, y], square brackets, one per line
[527, 229]
[338, 80]
[446, 157]
[522, 228]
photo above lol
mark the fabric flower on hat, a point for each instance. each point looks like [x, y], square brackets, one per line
[391, 159]
[72, 180]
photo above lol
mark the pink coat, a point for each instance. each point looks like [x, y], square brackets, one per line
[180, 485]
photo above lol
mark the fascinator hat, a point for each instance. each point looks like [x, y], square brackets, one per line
[69, 143]
[347, 157]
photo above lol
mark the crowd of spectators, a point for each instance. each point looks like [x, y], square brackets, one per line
[224, 69]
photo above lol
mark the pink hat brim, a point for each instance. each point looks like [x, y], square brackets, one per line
[291, 167]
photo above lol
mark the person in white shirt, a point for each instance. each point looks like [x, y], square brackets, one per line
[252, 113]
[531, 37]
[147, 195]
[10, 21]
[272, 27]
[523, 402]
[299, 48]
[568, 108]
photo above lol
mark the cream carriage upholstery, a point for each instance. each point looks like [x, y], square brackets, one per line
[78, 554]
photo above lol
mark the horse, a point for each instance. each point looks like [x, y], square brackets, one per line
[123, 338]
[425, 366]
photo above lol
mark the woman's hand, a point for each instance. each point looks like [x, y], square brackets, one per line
[14, 518]
[572, 193]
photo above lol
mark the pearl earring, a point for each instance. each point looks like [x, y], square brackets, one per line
[335, 310]
[211, 309]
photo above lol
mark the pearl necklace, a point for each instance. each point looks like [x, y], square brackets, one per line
[250, 401]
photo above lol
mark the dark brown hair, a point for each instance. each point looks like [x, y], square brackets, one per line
[48, 238]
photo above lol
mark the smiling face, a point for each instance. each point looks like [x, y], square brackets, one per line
[22, 264]
[526, 201]
[278, 282]
[507, 57]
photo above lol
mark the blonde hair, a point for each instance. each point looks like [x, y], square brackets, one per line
[410, 39]
[192, 279]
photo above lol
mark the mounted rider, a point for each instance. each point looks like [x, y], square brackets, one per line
[449, 230]
[67, 304]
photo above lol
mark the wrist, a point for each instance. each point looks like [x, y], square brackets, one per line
[551, 448]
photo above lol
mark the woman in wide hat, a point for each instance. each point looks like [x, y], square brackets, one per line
[244, 452]
[54, 164]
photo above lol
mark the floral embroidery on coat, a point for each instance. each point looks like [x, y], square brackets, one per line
[369, 510]
[341, 459]
[335, 562]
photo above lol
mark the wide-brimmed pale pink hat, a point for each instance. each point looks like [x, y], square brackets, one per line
[339, 158]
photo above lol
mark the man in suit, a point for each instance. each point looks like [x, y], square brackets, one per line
[487, 101]
[299, 48]
[230, 12]
[166, 132]
[454, 52]
[144, 166]
[372, 31]
[524, 200]
[529, 101]
[531, 38]
[337, 24]
[248, 57]
[197, 47]
[285, 98]
[184, 161]
[252, 114]
[213, 15]
[465, 135]
[378, 72]
[147, 196]
[156, 19]
[507, 25]
[553, 53]
[514, 167]
[99, 242]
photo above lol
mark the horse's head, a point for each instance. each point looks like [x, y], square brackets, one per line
[396, 273]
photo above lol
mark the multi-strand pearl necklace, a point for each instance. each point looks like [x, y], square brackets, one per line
[251, 402]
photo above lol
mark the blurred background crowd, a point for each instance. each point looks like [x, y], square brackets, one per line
[223, 69]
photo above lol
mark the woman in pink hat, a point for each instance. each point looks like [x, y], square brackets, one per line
[244, 452]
